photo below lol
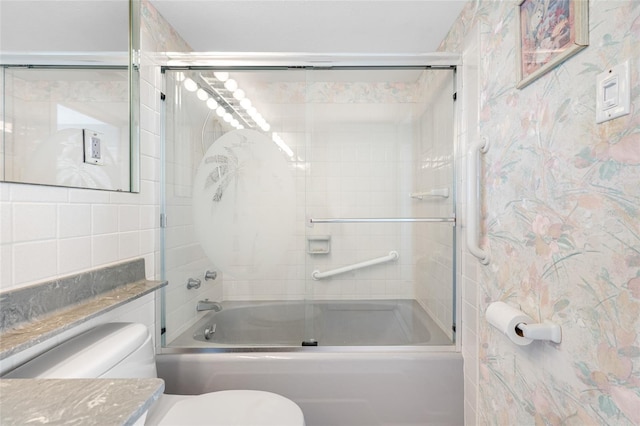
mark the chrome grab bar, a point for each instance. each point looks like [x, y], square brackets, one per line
[383, 220]
[317, 275]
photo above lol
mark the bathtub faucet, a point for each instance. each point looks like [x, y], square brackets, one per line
[208, 305]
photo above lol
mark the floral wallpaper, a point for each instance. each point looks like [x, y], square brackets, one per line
[156, 34]
[562, 222]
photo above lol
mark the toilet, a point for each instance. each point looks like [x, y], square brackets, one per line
[125, 350]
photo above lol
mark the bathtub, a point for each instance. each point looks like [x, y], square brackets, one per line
[315, 323]
[378, 379]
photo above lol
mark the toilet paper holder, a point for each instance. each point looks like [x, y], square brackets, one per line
[519, 327]
[544, 331]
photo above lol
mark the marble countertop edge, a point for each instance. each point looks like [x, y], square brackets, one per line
[77, 401]
[47, 326]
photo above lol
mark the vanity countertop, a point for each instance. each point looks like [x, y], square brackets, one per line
[77, 401]
[47, 326]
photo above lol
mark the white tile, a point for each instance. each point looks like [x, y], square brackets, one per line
[38, 193]
[148, 241]
[129, 244]
[104, 219]
[129, 218]
[4, 191]
[147, 92]
[149, 168]
[469, 316]
[74, 220]
[148, 192]
[124, 198]
[74, 254]
[149, 144]
[6, 266]
[470, 291]
[469, 414]
[88, 196]
[34, 221]
[149, 217]
[34, 261]
[6, 223]
[104, 249]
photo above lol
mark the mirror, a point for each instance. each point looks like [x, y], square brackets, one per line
[69, 93]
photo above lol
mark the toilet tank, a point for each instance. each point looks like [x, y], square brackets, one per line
[113, 350]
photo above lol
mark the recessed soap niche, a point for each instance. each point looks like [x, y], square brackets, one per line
[318, 244]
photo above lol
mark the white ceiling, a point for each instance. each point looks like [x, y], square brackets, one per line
[312, 26]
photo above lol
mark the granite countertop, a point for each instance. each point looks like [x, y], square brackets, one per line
[44, 327]
[34, 314]
[76, 401]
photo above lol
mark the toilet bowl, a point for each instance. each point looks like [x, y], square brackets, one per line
[125, 350]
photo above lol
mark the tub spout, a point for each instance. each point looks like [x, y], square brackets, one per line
[208, 305]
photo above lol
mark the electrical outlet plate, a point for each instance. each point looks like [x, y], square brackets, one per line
[613, 97]
[93, 145]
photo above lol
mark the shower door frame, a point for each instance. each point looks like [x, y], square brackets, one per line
[256, 61]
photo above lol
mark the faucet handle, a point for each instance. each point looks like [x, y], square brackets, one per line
[210, 275]
[193, 283]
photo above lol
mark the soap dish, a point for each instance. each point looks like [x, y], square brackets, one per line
[318, 244]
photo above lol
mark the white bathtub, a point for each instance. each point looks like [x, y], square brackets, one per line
[332, 388]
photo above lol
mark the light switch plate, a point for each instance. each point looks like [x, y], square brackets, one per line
[93, 146]
[613, 93]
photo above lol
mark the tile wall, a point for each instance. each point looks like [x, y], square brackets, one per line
[48, 232]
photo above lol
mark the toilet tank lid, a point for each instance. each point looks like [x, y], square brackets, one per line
[87, 355]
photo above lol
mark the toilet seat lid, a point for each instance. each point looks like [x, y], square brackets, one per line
[235, 407]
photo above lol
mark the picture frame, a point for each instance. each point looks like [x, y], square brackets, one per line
[550, 32]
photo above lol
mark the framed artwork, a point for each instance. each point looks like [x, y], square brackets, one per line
[550, 32]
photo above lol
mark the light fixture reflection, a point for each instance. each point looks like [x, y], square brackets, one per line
[190, 85]
[211, 103]
[202, 95]
[231, 85]
[221, 75]
[283, 146]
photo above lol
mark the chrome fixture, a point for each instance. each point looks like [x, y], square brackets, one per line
[209, 330]
[193, 283]
[208, 305]
[210, 275]
[382, 219]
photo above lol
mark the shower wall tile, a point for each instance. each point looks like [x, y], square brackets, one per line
[74, 220]
[104, 219]
[74, 254]
[104, 249]
[34, 261]
[33, 221]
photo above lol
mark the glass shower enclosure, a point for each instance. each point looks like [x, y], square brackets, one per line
[308, 207]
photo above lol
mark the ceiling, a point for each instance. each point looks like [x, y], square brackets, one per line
[312, 26]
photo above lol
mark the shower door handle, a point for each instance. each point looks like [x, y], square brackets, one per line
[473, 200]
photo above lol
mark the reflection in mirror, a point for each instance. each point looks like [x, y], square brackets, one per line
[68, 110]
[67, 127]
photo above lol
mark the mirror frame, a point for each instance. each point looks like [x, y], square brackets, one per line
[134, 96]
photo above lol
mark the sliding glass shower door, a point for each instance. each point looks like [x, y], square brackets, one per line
[322, 198]
[379, 206]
